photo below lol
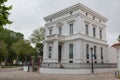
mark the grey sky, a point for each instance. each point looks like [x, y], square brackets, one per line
[27, 15]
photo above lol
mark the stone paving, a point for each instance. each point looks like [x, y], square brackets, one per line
[10, 69]
[21, 75]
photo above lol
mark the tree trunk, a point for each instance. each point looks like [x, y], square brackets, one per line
[5, 59]
[17, 59]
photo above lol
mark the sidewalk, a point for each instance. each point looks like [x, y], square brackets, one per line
[20, 75]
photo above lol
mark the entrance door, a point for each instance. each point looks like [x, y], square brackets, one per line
[59, 53]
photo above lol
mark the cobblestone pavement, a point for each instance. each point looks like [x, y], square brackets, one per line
[20, 75]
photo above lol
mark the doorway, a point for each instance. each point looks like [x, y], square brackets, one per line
[59, 53]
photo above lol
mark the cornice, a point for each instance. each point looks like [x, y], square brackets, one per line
[73, 8]
[90, 20]
[62, 19]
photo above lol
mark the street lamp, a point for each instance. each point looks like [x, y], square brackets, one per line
[92, 55]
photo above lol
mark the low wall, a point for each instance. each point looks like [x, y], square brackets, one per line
[75, 71]
[25, 68]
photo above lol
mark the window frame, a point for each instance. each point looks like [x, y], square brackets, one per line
[70, 51]
[71, 28]
[94, 32]
[100, 34]
[60, 30]
[86, 29]
[50, 31]
[50, 52]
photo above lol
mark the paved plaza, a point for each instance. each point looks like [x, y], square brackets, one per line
[21, 75]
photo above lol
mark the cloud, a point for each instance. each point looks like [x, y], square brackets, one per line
[27, 15]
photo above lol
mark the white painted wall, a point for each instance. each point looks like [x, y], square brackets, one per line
[74, 71]
[79, 38]
[112, 55]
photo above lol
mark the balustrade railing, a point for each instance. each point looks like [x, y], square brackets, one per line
[77, 65]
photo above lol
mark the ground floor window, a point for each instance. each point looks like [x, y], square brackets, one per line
[95, 56]
[50, 52]
[70, 50]
[101, 54]
[87, 53]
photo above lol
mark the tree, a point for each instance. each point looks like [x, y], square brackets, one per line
[3, 51]
[23, 48]
[37, 38]
[9, 37]
[4, 13]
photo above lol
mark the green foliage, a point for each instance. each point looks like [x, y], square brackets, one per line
[4, 13]
[9, 37]
[37, 38]
[23, 48]
[38, 35]
[3, 51]
[35, 68]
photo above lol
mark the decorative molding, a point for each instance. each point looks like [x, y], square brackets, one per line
[50, 27]
[78, 6]
[59, 24]
[87, 22]
[94, 25]
[63, 19]
[71, 21]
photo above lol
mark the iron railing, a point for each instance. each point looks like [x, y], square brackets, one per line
[77, 65]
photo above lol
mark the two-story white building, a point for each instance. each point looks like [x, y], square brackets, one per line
[72, 32]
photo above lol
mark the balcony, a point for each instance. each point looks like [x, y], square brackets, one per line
[55, 37]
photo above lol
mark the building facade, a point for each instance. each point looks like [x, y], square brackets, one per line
[72, 32]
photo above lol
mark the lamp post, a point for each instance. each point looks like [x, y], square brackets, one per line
[92, 60]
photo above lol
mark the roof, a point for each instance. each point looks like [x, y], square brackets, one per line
[76, 6]
[116, 44]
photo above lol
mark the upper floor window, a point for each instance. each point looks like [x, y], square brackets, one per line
[60, 30]
[86, 29]
[100, 34]
[94, 32]
[50, 31]
[51, 20]
[71, 12]
[93, 17]
[70, 50]
[50, 52]
[86, 14]
[71, 28]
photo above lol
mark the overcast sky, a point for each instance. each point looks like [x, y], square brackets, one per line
[27, 15]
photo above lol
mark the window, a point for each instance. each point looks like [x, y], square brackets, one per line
[71, 28]
[50, 20]
[93, 17]
[100, 34]
[87, 29]
[50, 52]
[86, 14]
[101, 54]
[71, 12]
[50, 31]
[87, 52]
[94, 32]
[60, 30]
[95, 56]
[70, 61]
[70, 50]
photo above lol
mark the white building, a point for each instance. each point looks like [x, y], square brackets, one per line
[71, 32]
